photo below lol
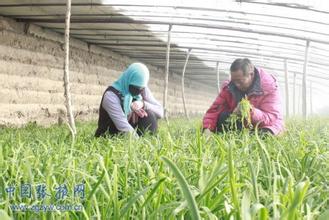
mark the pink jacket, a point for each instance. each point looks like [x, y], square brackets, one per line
[266, 111]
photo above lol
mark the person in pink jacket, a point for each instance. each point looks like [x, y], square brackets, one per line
[261, 90]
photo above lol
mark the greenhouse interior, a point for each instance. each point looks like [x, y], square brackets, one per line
[162, 109]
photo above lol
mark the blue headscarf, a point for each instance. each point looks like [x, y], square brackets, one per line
[136, 74]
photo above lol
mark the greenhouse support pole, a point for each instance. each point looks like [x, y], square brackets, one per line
[304, 108]
[165, 95]
[183, 82]
[311, 98]
[286, 86]
[217, 74]
[299, 98]
[67, 93]
[294, 95]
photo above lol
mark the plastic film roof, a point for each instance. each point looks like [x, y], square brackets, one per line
[217, 32]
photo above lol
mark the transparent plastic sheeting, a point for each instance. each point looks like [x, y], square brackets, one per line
[267, 32]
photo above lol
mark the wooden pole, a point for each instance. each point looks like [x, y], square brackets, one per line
[299, 99]
[311, 98]
[217, 73]
[183, 82]
[304, 109]
[165, 95]
[294, 95]
[286, 86]
[67, 93]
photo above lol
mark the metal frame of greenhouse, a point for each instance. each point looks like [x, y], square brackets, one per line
[199, 42]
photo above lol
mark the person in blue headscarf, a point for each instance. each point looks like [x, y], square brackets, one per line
[128, 106]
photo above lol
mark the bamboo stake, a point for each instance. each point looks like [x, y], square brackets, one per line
[294, 95]
[183, 83]
[299, 99]
[286, 86]
[165, 96]
[311, 98]
[217, 73]
[67, 93]
[304, 109]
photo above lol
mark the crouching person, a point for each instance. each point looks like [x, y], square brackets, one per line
[259, 87]
[128, 105]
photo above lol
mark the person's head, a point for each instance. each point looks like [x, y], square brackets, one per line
[131, 83]
[133, 80]
[138, 77]
[135, 90]
[242, 74]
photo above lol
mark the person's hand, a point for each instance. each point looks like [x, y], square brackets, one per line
[237, 109]
[141, 113]
[137, 105]
[207, 132]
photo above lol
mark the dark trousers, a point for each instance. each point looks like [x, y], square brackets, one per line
[146, 124]
[224, 125]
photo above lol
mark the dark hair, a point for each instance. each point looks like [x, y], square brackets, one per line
[242, 64]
